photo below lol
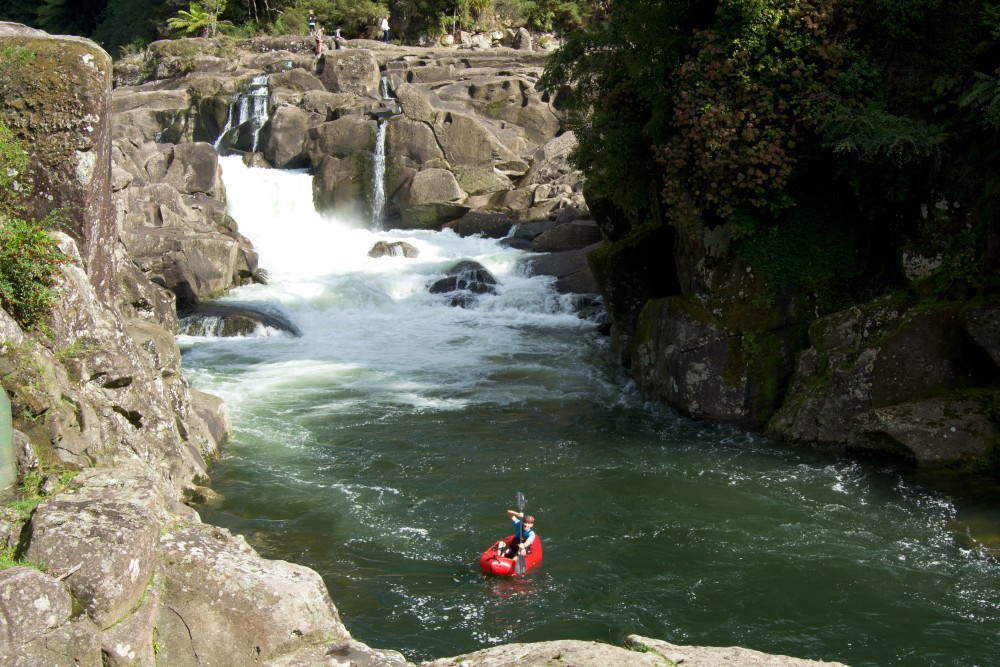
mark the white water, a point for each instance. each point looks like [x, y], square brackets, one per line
[370, 323]
[378, 178]
[250, 107]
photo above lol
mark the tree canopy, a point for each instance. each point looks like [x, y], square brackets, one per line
[132, 23]
[747, 113]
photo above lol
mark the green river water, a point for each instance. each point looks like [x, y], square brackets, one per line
[384, 446]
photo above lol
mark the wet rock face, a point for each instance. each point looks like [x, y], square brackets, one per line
[232, 319]
[464, 282]
[393, 249]
[887, 381]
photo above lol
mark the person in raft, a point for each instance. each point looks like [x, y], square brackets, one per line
[524, 535]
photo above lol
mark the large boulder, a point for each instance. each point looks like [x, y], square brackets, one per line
[31, 605]
[568, 236]
[151, 112]
[224, 605]
[350, 71]
[888, 380]
[570, 269]
[58, 106]
[432, 198]
[637, 652]
[488, 225]
[412, 143]
[982, 324]
[174, 221]
[284, 138]
[467, 141]
[341, 138]
[107, 530]
[932, 432]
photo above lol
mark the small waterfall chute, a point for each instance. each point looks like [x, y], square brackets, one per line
[247, 115]
[388, 108]
[378, 178]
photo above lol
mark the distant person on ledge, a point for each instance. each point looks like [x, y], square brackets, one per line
[385, 29]
[524, 535]
[319, 40]
[312, 22]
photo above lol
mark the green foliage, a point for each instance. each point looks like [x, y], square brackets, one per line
[29, 495]
[29, 257]
[746, 103]
[875, 135]
[134, 23]
[69, 17]
[984, 97]
[13, 163]
[813, 250]
[199, 20]
[962, 274]
[615, 81]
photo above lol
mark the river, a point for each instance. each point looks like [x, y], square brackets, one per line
[383, 447]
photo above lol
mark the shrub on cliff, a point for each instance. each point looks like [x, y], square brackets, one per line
[29, 257]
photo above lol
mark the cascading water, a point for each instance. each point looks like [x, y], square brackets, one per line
[251, 111]
[378, 178]
[389, 107]
[384, 445]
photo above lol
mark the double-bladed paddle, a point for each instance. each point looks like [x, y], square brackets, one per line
[519, 565]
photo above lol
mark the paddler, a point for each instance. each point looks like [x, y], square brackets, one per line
[524, 535]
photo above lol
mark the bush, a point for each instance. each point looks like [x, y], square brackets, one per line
[28, 255]
[29, 258]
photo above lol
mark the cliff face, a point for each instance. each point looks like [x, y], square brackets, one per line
[901, 377]
[109, 435]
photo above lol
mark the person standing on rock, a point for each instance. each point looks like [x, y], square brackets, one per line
[385, 29]
[312, 22]
[337, 39]
[319, 40]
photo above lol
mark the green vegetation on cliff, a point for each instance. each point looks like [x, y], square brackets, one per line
[747, 115]
[28, 255]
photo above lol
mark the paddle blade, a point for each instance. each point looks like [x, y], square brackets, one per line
[519, 565]
[520, 501]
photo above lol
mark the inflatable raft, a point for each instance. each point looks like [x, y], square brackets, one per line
[491, 562]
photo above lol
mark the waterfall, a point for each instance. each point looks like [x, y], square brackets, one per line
[378, 178]
[251, 110]
[390, 107]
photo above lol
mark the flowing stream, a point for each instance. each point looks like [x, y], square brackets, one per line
[384, 446]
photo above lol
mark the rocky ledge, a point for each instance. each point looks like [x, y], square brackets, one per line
[115, 567]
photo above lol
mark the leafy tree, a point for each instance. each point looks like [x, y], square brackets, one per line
[19, 11]
[201, 19]
[134, 22]
[70, 17]
[616, 80]
[746, 104]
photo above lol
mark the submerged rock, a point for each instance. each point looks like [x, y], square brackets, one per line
[393, 249]
[464, 282]
[228, 320]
